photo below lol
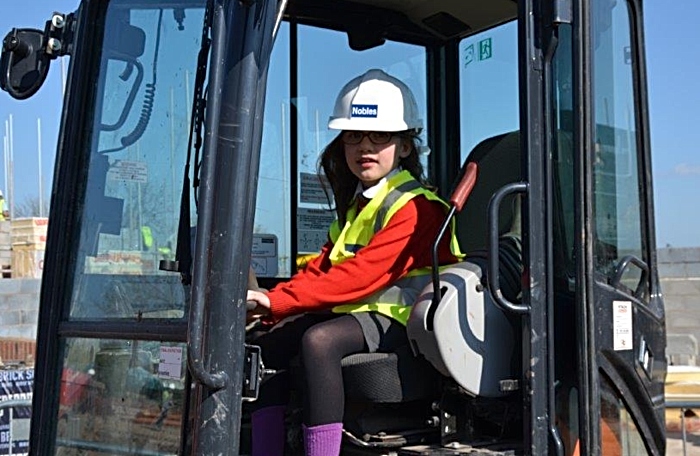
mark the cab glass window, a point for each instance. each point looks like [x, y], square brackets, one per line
[271, 238]
[121, 397]
[489, 132]
[619, 433]
[488, 85]
[138, 151]
[618, 189]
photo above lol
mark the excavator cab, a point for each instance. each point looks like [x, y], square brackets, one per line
[187, 155]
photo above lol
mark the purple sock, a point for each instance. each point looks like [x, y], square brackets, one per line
[323, 440]
[268, 431]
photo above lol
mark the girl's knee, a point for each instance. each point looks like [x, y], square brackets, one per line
[316, 341]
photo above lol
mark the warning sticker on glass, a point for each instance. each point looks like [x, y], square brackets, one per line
[170, 365]
[622, 325]
[264, 260]
[128, 171]
[311, 189]
[314, 219]
[312, 229]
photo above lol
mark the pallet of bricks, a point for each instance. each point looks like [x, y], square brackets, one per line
[16, 351]
[28, 238]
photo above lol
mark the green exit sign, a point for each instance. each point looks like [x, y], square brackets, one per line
[483, 51]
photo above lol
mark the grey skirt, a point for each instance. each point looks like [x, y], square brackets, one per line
[382, 334]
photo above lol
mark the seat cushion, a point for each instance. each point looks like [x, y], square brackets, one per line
[389, 377]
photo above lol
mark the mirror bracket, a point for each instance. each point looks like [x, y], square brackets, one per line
[27, 54]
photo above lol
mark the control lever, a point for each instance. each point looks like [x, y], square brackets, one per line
[457, 199]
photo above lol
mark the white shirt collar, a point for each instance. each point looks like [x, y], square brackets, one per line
[371, 192]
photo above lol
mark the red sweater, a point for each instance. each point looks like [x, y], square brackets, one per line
[404, 244]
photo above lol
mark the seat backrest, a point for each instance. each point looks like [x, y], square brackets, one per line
[467, 336]
[498, 163]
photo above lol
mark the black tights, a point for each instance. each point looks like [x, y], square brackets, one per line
[321, 340]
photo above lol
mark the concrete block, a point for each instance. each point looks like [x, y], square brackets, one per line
[692, 269]
[18, 302]
[691, 303]
[10, 286]
[678, 255]
[8, 319]
[671, 270]
[686, 254]
[681, 287]
[690, 315]
[686, 344]
[21, 331]
[668, 255]
[30, 317]
[683, 324]
[691, 255]
[663, 256]
[5, 303]
[684, 306]
[30, 286]
[673, 305]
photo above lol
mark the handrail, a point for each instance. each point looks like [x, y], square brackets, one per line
[622, 267]
[493, 282]
[216, 380]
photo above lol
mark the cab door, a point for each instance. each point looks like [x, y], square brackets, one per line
[621, 336]
[111, 372]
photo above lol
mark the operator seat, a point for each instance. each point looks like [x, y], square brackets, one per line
[467, 337]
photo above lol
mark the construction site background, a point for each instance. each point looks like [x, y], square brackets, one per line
[22, 246]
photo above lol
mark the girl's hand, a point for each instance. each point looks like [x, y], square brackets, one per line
[258, 305]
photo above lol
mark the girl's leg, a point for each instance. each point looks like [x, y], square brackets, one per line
[323, 346]
[278, 345]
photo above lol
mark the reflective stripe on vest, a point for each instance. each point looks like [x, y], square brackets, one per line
[393, 301]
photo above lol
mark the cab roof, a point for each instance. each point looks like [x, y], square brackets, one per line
[369, 22]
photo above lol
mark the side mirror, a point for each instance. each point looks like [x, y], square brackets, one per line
[24, 64]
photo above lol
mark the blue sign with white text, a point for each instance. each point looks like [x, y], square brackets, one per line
[15, 384]
[364, 110]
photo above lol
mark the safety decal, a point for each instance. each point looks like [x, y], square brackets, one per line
[622, 325]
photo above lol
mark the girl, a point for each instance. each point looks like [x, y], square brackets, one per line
[377, 259]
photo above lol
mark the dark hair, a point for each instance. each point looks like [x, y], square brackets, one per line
[343, 182]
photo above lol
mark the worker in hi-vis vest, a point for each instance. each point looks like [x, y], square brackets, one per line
[356, 295]
[146, 238]
[3, 211]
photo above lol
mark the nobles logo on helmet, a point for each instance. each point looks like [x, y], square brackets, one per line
[364, 111]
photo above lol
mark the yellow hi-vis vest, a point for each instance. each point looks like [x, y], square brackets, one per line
[395, 300]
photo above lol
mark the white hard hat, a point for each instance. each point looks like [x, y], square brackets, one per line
[375, 101]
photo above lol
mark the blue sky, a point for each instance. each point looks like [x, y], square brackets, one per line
[674, 97]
